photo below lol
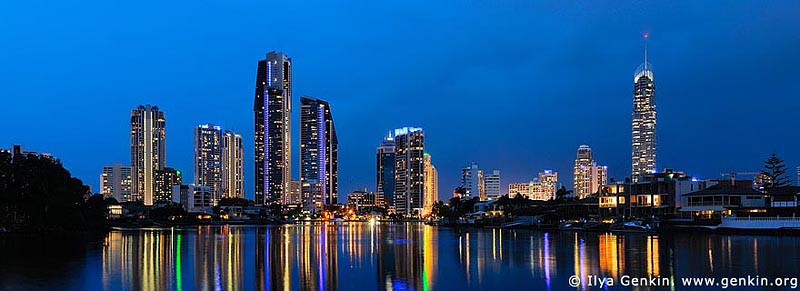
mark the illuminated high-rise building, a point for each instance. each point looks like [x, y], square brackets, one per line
[164, 180]
[491, 184]
[208, 158]
[588, 177]
[272, 107]
[643, 131]
[319, 173]
[472, 181]
[148, 150]
[409, 167]
[385, 169]
[232, 165]
[116, 181]
[431, 185]
[548, 180]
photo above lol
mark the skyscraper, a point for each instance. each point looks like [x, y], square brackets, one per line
[319, 171]
[472, 181]
[385, 169]
[232, 165]
[116, 182]
[431, 185]
[548, 180]
[208, 158]
[148, 150]
[492, 184]
[164, 180]
[273, 106]
[409, 167]
[588, 177]
[643, 131]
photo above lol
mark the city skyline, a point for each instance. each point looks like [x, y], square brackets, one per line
[686, 59]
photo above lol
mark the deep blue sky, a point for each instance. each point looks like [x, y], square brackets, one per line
[513, 85]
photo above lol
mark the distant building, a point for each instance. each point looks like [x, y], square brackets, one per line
[295, 193]
[319, 147]
[472, 181]
[515, 189]
[148, 150]
[798, 176]
[273, 146]
[655, 194]
[549, 181]
[208, 158]
[385, 160]
[431, 185]
[492, 184]
[761, 181]
[164, 180]
[643, 124]
[232, 165]
[542, 188]
[409, 177]
[363, 201]
[116, 182]
[588, 177]
[193, 198]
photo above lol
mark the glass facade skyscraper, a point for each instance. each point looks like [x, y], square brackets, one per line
[643, 132]
[272, 108]
[319, 173]
[409, 167]
[385, 169]
[148, 150]
[208, 158]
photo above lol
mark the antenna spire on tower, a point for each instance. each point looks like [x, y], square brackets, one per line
[646, 35]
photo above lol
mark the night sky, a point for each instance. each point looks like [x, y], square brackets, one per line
[512, 85]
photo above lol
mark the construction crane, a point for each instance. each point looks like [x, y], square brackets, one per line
[733, 175]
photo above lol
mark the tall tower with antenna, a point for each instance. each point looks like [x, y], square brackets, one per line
[643, 123]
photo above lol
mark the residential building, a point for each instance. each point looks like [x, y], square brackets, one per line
[472, 181]
[588, 177]
[193, 198]
[492, 184]
[431, 185]
[363, 201]
[148, 150]
[208, 158]
[116, 181]
[319, 173]
[232, 165]
[385, 160]
[164, 181]
[409, 170]
[272, 108]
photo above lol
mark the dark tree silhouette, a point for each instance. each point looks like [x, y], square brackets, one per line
[775, 170]
[37, 193]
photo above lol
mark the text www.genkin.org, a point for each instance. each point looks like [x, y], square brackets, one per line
[658, 281]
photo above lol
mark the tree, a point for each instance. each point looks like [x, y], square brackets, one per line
[775, 171]
[38, 193]
[562, 193]
[440, 210]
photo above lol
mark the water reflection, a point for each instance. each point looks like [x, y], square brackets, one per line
[362, 256]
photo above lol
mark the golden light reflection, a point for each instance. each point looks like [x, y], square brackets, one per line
[654, 261]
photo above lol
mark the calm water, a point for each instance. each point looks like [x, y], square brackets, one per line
[360, 256]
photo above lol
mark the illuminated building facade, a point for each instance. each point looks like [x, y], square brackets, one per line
[385, 160]
[272, 108]
[643, 123]
[431, 185]
[548, 180]
[164, 180]
[232, 165]
[319, 147]
[472, 181]
[588, 177]
[148, 150]
[409, 177]
[491, 184]
[208, 158]
[116, 181]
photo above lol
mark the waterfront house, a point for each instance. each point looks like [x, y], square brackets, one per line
[783, 200]
[723, 200]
